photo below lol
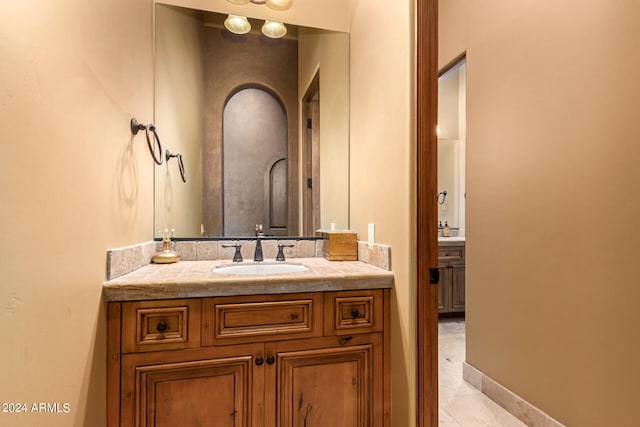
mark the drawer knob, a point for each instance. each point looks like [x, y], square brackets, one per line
[355, 313]
[270, 360]
[162, 326]
[344, 340]
[259, 361]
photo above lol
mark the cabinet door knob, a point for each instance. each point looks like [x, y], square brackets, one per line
[162, 326]
[259, 361]
[270, 360]
[355, 313]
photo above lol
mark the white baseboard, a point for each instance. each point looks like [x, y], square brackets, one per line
[511, 402]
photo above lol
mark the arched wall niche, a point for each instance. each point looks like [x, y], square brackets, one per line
[254, 154]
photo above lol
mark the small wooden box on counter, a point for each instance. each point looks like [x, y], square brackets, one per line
[339, 245]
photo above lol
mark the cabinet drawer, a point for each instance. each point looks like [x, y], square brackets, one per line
[261, 318]
[453, 254]
[352, 312]
[160, 325]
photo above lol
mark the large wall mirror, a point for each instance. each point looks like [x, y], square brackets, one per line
[452, 131]
[262, 126]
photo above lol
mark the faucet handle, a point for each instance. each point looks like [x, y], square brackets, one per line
[237, 257]
[280, 256]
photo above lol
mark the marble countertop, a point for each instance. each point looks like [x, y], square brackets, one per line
[453, 239]
[191, 279]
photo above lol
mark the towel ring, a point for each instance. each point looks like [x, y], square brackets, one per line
[135, 127]
[443, 198]
[169, 155]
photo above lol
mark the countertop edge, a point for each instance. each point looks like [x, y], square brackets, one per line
[316, 281]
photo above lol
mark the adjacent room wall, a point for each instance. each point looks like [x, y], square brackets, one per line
[73, 183]
[552, 200]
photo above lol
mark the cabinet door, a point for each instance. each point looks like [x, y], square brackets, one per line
[183, 394]
[444, 289]
[213, 390]
[336, 386]
[457, 288]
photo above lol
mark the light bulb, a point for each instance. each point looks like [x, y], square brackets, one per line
[237, 24]
[279, 4]
[274, 30]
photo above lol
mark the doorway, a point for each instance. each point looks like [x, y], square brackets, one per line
[311, 157]
[451, 131]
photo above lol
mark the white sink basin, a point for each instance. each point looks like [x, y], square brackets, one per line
[259, 269]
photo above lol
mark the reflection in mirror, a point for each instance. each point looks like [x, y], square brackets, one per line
[448, 181]
[452, 129]
[254, 155]
[262, 126]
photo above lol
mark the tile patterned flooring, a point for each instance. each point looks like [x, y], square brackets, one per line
[462, 405]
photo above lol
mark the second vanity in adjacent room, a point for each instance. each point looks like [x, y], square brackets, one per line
[451, 264]
[191, 342]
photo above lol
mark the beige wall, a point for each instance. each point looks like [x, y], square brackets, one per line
[552, 200]
[382, 159]
[73, 183]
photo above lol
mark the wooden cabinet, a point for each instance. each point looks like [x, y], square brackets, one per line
[293, 360]
[451, 289]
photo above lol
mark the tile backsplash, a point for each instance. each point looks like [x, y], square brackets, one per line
[121, 261]
[376, 254]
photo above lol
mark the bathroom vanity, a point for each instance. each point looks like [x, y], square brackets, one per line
[190, 346]
[451, 263]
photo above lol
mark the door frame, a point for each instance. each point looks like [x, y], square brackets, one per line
[426, 206]
[311, 157]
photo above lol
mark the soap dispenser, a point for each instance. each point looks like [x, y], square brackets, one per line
[166, 256]
[446, 230]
